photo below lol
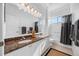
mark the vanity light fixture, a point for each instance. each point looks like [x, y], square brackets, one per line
[28, 8]
[32, 10]
[25, 9]
[35, 12]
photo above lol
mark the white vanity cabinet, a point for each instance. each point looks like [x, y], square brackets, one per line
[34, 49]
[28, 50]
[45, 45]
[42, 46]
[24, 51]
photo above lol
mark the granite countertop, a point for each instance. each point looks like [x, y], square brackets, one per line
[12, 45]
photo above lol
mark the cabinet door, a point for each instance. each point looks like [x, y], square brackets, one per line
[41, 47]
[25, 51]
[37, 51]
[45, 45]
[35, 48]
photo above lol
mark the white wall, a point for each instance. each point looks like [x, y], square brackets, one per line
[15, 18]
[55, 31]
[75, 14]
[0, 22]
[56, 28]
[75, 10]
[60, 11]
[1, 48]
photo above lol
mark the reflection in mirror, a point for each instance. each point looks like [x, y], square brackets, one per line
[18, 22]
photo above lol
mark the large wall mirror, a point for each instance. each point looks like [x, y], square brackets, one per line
[18, 22]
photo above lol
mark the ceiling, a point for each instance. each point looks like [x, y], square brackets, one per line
[51, 7]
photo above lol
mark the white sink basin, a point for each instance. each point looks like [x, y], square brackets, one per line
[24, 41]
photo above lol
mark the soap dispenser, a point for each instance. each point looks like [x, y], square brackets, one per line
[33, 35]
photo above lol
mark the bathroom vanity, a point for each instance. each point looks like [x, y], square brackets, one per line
[26, 47]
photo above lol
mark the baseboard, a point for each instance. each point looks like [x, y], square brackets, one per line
[46, 52]
[67, 46]
[56, 50]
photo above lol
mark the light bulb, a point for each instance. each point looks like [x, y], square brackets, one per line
[32, 9]
[35, 11]
[28, 8]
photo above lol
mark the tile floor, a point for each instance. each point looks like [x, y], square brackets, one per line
[54, 52]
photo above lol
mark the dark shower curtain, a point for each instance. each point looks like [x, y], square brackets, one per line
[66, 29]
